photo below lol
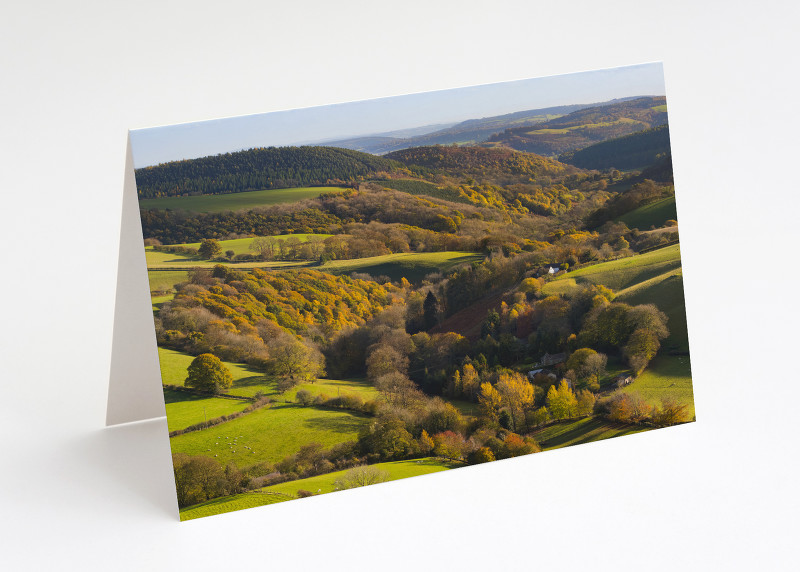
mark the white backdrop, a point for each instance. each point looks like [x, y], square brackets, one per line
[75, 76]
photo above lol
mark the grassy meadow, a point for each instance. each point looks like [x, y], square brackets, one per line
[666, 376]
[270, 434]
[654, 214]
[412, 266]
[586, 430]
[185, 409]
[236, 201]
[320, 485]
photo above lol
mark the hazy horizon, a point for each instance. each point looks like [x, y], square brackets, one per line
[156, 145]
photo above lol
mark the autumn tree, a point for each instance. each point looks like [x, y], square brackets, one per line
[642, 347]
[388, 438]
[627, 408]
[385, 359]
[490, 401]
[209, 248]
[398, 389]
[561, 401]
[208, 373]
[360, 476]
[586, 401]
[426, 443]
[450, 445]
[295, 362]
[198, 478]
[470, 381]
[264, 246]
[517, 394]
[586, 362]
[670, 413]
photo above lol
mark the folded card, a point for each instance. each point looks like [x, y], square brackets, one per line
[356, 293]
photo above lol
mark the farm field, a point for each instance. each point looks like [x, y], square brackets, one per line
[174, 365]
[164, 281]
[666, 292]
[247, 380]
[322, 483]
[654, 214]
[581, 431]
[227, 504]
[186, 409]
[270, 434]
[236, 201]
[411, 266]
[335, 388]
[242, 245]
[666, 376]
[623, 273]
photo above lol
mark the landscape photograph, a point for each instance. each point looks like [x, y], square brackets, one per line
[365, 292]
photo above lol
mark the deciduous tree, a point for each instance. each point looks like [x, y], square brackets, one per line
[208, 373]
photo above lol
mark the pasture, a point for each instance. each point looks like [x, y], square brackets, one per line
[236, 201]
[270, 434]
[242, 245]
[666, 292]
[622, 273]
[581, 431]
[227, 504]
[653, 214]
[323, 483]
[335, 388]
[174, 365]
[186, 409]
[411, 266]
[666, 376]
[164, 281]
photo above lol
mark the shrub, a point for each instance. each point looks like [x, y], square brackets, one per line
[482, 455]
[304, 397]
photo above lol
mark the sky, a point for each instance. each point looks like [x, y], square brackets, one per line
[344, 120]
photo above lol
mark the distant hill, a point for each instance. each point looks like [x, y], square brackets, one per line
[256, 169]
[471, 131]
[479, 161]
[634, 151]
[585, 127]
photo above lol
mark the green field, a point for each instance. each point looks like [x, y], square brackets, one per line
[666, 292]
[652, 278]
[270, 434]
[242, 245]
[164, 281]
[227, 504]
[236, 201]
[335, 388]
[321, 483]
[654, 214]
[185, 409]
[247, 380]
[174, 365]
[581, 431]
[623, 273]
[413, 266]
[239, 246]
[666, 376]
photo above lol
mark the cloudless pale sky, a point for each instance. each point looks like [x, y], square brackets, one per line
[191, 140]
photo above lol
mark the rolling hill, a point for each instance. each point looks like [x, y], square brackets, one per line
[585, 127]
[630, 152]
[258, 169]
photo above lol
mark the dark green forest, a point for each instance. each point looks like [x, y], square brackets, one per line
[633, 151]
[255, 169]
